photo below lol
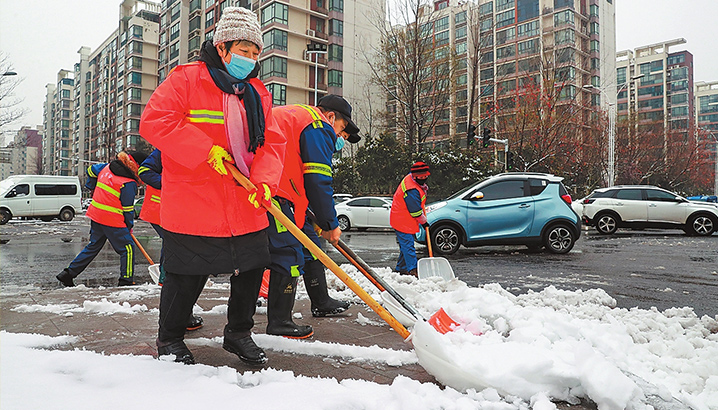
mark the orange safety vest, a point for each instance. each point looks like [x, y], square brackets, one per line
[184, 118]
[151, 206]
[400, 218]
[106, 208]
[292, 120]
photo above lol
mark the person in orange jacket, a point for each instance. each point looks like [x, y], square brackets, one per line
[112, 215]
[212, 225]
[313, 134]
[408, 215]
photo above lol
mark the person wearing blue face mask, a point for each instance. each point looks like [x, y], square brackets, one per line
[204, 114]
[314, 134]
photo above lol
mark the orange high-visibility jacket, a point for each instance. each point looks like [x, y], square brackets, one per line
[184, 118]
[106, 208]
[400, 218]
[151, 206]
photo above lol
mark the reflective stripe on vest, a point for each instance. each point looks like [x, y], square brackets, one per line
[317, 123]
[423, 199]
[155, 198]
[206, 116]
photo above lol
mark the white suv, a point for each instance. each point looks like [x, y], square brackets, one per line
[644, 206]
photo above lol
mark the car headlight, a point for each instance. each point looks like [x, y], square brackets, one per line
[435, 206]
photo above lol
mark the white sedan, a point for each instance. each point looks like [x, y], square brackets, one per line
[364, 212]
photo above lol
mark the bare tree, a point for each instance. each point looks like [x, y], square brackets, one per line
[416, 71]
[10, 109]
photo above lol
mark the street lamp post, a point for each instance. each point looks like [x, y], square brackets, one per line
[316, 49]
[612, 112]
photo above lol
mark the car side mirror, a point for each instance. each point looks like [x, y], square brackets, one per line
[477, 196]
[11, 194]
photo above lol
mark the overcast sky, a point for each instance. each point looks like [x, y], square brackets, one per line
[43, 36]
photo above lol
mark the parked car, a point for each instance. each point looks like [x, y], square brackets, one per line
[364, 212]
[339, 198]
[645, 206]
[86, 203]
[138, 206]
[40, 196]
[529, 209]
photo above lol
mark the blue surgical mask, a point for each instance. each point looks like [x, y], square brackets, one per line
[339, 144]
[239, 67]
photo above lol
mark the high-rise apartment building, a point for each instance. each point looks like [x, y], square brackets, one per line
[657, 85]
[288, 27]
[57, 123]
[571, 41]
[707, 106]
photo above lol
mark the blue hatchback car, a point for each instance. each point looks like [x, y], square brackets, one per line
[529, 209]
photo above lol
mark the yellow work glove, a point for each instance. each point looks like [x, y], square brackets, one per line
[217, 156]
[261, 196]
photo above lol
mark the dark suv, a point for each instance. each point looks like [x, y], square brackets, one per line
[529, 209]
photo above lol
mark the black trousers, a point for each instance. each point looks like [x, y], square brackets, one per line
[180, 293]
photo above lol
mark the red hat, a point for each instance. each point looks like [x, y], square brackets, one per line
[420, 169]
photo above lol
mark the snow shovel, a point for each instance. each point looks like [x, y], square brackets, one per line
[323, 257]
[154, 268]
[402, 310]
[432, 266]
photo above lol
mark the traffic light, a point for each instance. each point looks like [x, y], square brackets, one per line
[470, 134]
[486, 137]
[509, 160]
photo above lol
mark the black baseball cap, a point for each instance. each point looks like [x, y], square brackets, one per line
[338, 104]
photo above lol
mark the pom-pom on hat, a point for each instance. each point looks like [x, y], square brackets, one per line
[238, 23]
[420, 169]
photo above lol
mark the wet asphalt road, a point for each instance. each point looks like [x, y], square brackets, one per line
[650, 268]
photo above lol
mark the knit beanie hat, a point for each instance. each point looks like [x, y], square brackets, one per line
[420, 169]
[238, 23]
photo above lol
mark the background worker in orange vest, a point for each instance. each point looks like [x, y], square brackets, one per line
[112, 215]
[150, 172]
[191, 117]
[313, 134]
[408, 214]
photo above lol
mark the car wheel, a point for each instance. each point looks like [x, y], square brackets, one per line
[344, 223]
[558, 239]
[5, 216]
[702, 225]
[606, 224]
[445, 240]
[66, 215]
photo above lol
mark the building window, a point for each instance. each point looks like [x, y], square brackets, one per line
[174, 50]
[209, 18]
[680, 73]
[275, 13]
[677, 59]
[506, 69]
[336, 5]
[441, 39]
[275, 39]
[279, 93]
[175, 11]
[195, 23]
[193, 43]
[595, 28]
[594, 10]
[134, 110]
[65, 93]
[335, 78]
[134, 63]
[564, 17]
[596, 81]
[621, 75]
[336, 28]
[462, 79]
[505, 36]
[529, 29]
[134, 78]
[336, 52]
[679, 98]
[132, 125]
[134, 94]
[486, 24]
[461, 47]
[506, 52]
[502, 5]
[565, 36]
[487, 74]
[136, 31]
[559, 4]
[194, 5]
[460, 18]
[135, 47]
[442, 24]
[460, 32]
[505, 18]
[594, 46]
[274, 67]
[526, 10]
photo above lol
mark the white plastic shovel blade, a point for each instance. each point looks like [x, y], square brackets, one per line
[155, 272]
[429, 267]
[397, 310]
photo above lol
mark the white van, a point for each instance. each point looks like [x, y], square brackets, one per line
[41, 196]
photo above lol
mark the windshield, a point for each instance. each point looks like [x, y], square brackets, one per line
[463, 191]
[6, 185]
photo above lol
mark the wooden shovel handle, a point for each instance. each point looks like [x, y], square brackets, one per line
[428, 242]
[326, 260]
[142, 249]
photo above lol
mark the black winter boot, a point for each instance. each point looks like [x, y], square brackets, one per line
[66, 278]
[241, 344]
[280, 302]
[316, 284]
[178, 349]
[195, 322]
